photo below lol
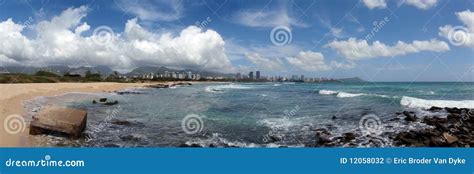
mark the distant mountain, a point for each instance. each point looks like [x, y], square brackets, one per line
[353, 79]
[155, 69]
[59, 70]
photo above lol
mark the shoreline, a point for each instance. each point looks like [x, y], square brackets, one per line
[14, 95]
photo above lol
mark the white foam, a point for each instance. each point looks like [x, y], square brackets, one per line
[341, 94]
[327, 92]
[413, 102]
[219, 88]
[346, 94]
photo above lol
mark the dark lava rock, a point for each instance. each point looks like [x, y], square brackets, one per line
[94, 102]
[348, 136]
[323, 137]
[409, 116]
[435, 109]
[102, 99]
[333, 117]
[456, 130]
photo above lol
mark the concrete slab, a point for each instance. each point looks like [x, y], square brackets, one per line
[59, 119]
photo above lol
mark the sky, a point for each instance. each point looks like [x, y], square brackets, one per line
[377, 40]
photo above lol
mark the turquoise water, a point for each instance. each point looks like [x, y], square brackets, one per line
[263, 114]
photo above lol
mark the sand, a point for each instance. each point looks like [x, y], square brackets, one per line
[12, 97]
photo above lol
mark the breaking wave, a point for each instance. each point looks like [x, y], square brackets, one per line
[220, 88]
[341, 94]
[413, 102]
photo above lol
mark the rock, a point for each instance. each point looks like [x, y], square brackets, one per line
[54, 119]
[334, 117]
[121, 122]
[132, 137]
[349, 136]
[323, 137]
[111, 103]
[102, 100]
[435, 109]
[94, 102]
[450, 139]
[453, 110]
[409, 116]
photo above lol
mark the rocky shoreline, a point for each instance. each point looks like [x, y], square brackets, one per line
[456, 130]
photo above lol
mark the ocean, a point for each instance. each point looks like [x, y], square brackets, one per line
[256, 114]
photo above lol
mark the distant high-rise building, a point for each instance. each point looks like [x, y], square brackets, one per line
[302, 78]
[238, 76]
[257, 74]
[251, 74]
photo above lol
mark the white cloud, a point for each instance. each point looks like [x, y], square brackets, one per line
[422, 4]
[264, 63]
[59, 41]
[153, 10]
[371, 4]
[259, 18]
[348, 65]
[309, 61]
[381, 4]
[460, 35]
[354, 49]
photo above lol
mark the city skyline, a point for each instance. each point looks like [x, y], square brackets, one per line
[356, 38]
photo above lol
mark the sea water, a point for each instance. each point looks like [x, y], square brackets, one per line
[258, 114]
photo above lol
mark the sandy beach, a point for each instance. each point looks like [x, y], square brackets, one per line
[13, 95]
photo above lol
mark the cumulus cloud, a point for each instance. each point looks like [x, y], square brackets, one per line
[371, 4]
[259, 18]
[152, 10]
[59, 42]
[381, 4]
[354, 49]
[265, 63]
[309, 61]
[460, 35]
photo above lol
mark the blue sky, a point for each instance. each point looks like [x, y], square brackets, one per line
[412, 40]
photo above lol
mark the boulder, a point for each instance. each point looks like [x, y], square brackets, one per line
[409, 116]
[102, 100]
[54, 119]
